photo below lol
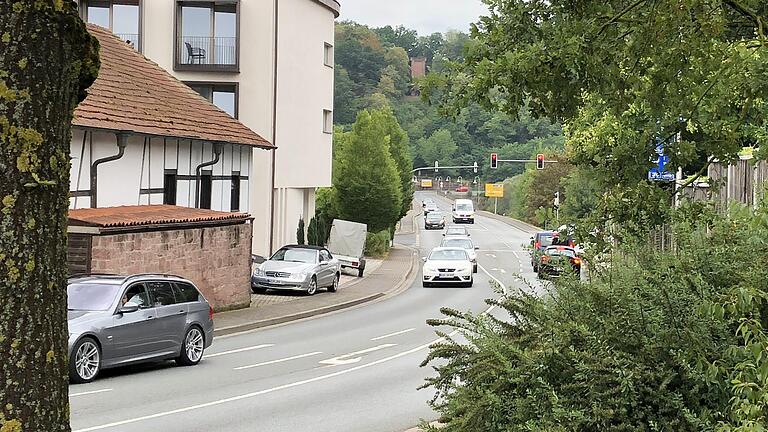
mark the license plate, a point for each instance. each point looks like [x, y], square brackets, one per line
[446, 275]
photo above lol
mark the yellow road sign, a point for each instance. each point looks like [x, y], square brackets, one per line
[494, 190]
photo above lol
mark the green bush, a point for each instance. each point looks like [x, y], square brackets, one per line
[377, 244]
[655, 341]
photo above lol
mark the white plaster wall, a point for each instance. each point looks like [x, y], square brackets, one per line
[143, 167]
[305, 89]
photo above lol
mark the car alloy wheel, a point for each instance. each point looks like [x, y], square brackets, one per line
[335, 287]
[87, 361]
[194, 344]
[312, 289]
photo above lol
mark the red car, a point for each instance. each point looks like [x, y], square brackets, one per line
[462, 189]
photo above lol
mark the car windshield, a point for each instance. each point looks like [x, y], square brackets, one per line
[546, 239]
[449, 255]
[463, 207]
[455, 231]
[91, 296]
[561, 252]
[458, 243]
[307, 256]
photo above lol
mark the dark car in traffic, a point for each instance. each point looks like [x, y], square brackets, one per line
[434, 220]
[559, 260]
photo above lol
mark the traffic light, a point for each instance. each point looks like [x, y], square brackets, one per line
[540, 161]
[494, 160]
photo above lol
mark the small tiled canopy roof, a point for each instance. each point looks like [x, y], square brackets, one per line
[149, 215]
[136, 95]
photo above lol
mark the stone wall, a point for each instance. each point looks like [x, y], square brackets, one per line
[216, 259]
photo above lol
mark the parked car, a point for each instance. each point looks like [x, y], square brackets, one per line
[557, 260]
[430, 207]
[347, 244]
[120, 320]
[463, 211]
[464, 243]
[434, 220]
[298, 268]
[462, 189]
[456, 231]
[447, 266]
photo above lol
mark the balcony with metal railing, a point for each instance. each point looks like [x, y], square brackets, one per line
[196, 53]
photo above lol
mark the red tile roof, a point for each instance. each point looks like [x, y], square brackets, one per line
[134, 94]
[147, 215]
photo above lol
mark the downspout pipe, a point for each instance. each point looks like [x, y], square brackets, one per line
[273, 202]
[217, 149]
[122, 141]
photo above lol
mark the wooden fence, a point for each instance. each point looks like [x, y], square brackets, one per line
[743, 182]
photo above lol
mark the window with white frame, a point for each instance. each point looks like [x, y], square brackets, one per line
[328, 121]
[328, 55]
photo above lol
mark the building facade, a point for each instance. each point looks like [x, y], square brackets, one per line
[267, 63]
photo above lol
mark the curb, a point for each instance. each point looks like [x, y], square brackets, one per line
[399, 288]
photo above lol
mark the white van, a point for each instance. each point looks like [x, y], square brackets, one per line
[463, 211]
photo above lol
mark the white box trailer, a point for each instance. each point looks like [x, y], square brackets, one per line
[347, 244]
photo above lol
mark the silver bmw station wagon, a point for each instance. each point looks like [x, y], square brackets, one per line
[120, 320]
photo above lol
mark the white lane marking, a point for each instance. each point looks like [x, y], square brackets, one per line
[490, 255]
[289, 385]
[345, 359]
[89, 392]
[393, 334]
[300, 356]
[239, 350]
[503, 271]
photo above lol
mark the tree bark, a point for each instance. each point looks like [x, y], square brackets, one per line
[47, 60]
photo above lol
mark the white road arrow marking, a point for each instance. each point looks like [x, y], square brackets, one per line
[345, 359]
[502, 271]
[490, 255]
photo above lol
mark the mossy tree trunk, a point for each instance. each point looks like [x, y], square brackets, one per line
[47, 60]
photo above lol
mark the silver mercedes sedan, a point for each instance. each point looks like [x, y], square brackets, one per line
[120, 320]
[298, 268]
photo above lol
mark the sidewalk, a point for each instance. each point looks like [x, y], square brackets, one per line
[393, 275]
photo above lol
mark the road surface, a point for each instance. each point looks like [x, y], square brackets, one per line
[355, 370]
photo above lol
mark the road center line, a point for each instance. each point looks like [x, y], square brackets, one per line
[285, 386]
[239, 350]
[300, 356]
[393, 334]
[89, 392]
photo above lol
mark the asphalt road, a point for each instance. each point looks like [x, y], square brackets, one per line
[355, 370]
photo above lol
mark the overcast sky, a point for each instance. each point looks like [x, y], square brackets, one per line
[426, 16]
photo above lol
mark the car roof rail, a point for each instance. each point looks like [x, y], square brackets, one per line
[138, 275]
[80, 275]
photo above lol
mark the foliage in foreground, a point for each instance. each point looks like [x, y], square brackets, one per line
[656, 341]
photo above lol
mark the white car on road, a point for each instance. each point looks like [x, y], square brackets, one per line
[447, 266]
[464, 243]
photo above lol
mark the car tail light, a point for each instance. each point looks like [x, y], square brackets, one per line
[544, 258]
[576, 261]
[354, 264]
[537, 245]
[210, 313]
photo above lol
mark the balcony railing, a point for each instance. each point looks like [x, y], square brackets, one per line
[206, 53]
[131, 39]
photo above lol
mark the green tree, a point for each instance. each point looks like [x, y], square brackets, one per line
[47, 61]
[366, 179]
[398, 149]
[620, 82]
[300, 232]
[345, 97]
[438, 147]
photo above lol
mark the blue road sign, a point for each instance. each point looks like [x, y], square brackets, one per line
[659, 173]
